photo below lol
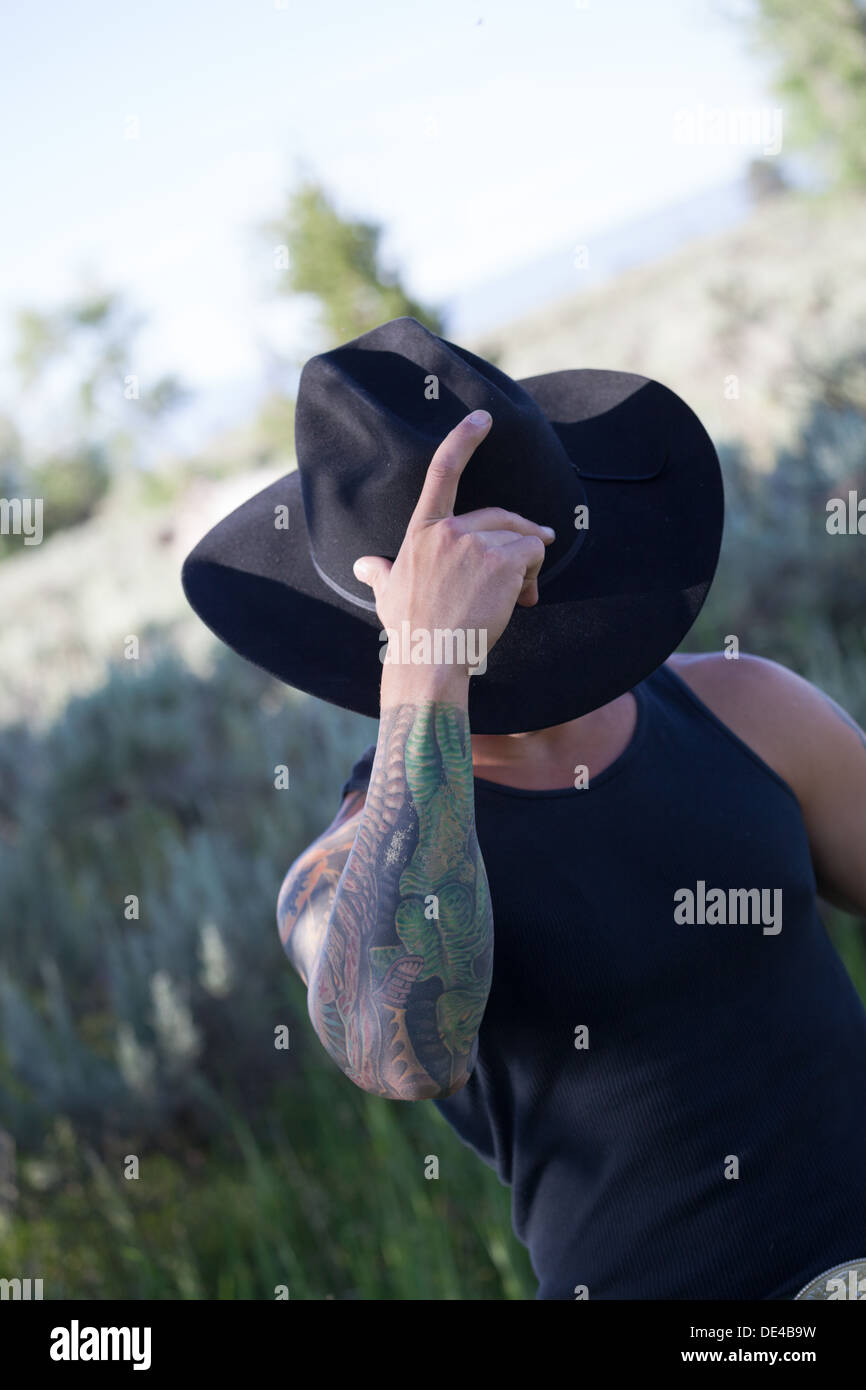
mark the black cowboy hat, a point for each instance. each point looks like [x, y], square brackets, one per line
[617, 464]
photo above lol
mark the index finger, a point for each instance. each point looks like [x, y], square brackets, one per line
[439, 493]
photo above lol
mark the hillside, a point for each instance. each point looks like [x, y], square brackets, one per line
[778, 302]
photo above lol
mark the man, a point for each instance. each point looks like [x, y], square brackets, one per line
[593, 942]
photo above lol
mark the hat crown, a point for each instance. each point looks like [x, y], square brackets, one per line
[369, 418]
[629, 576]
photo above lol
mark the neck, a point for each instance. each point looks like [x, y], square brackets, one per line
[550, 745]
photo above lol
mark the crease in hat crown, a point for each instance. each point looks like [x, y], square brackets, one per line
[376, 408]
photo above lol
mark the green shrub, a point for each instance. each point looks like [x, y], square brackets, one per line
[160, 786]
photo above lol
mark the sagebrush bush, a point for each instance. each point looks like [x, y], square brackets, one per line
[785, 586]
[159, 787]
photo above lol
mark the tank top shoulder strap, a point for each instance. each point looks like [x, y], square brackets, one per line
[672, 692]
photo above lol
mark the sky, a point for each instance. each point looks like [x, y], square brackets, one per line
[143, 144]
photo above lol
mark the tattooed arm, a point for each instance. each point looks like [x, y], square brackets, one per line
[401, 975]
[392, 901]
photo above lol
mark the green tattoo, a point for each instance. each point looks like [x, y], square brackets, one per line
[402, 973]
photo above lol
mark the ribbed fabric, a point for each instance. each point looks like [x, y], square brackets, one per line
[707, 1043]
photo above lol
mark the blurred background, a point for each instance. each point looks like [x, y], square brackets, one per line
[196, 199]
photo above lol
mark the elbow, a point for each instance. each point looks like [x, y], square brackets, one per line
[422, 1086]
[406, 1086]
[421, 1091]
[393, 1071]
[432, 1091]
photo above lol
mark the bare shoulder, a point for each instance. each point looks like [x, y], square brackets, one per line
[791, 724]
[745, 685]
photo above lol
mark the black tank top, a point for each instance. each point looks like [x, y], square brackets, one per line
[678, 1107]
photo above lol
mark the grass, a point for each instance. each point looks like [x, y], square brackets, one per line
[331, 1202]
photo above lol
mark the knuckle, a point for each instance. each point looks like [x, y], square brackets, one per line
[529, 557]
[472, 550]
[440, 470]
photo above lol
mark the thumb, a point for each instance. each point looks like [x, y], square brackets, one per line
[372, 570]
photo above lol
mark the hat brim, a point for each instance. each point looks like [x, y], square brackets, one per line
[601, 626]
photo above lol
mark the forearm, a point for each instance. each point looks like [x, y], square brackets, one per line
[402, 975]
